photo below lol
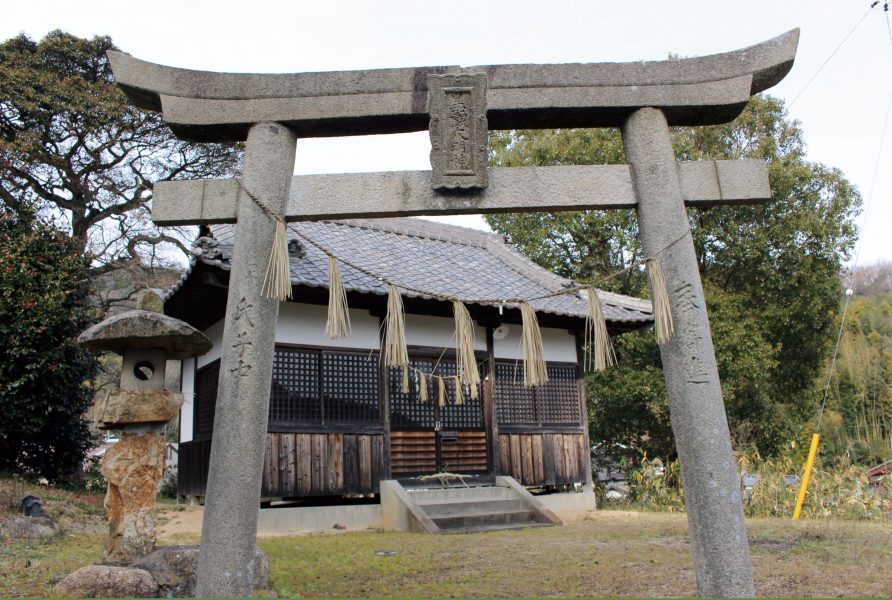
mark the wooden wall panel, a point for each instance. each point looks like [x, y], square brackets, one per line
[321, 464]
[413, 452]
[299, 464]
[192, 467]
[468, 454]
[536, 459]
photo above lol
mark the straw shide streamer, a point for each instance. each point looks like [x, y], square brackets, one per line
[459, 398]
[395, 352]
[534, 370]
[277, 281]
[338, 324]
[599, 350]
[405, 386]
[441, 391]
[422, 387]
[659, 296]
[464, 344]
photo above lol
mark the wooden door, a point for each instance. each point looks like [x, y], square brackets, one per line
[427, 438]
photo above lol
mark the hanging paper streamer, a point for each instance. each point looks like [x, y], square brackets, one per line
[422, 386]
[659, 296]
[599, 350]
[338, 324]
[441, 391]
[459, 399]
[277, 281]
[395, 352]
[464, 343]
[534, 370]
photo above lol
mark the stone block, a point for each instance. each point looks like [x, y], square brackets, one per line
[105, 581]
[127, 407]
[133, 467]
[173, 569]
[29, 527]
[146, 329]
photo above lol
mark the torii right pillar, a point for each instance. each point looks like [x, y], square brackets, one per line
[702, 437]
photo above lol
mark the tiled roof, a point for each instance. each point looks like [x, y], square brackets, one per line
[426, 255]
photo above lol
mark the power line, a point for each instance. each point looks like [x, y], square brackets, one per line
[870, 195]
[835, 50]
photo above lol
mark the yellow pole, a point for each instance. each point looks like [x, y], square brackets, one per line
[812, 452]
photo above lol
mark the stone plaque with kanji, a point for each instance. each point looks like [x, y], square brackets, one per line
[458, 130]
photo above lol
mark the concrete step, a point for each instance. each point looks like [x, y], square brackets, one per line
[469, 508]
[485, 528]
[472, 506]
[515, 518]
[475, 493]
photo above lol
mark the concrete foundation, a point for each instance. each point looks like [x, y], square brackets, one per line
[314, 519]
[317, 519]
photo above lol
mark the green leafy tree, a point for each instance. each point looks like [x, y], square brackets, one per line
[770, 273]
[72, 145]
[44, 291]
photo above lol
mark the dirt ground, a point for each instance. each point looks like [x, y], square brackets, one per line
[607, 553]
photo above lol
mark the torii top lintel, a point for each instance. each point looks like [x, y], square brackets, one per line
[207, 106]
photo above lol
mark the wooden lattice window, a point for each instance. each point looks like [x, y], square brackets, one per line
[408, 412]
[205, 402]
[555, 403]
[515, 404]
[295, 395]
[350, 387]
[469, 414]
[315, 387]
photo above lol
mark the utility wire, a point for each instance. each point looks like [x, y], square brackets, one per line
[832, 54]
[870, 195]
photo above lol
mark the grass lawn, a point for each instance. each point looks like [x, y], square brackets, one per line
[612, 553]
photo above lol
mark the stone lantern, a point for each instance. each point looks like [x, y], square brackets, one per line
[133, 466]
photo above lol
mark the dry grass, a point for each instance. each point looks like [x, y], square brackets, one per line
[612, 553]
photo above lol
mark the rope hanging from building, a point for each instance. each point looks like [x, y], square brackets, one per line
[599, 352]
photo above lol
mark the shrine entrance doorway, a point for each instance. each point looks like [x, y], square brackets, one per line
[436, 436]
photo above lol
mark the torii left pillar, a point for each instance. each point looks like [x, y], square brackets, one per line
[229, 531]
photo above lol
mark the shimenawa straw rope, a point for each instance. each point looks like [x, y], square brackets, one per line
[277, 280]
[464, 344]
[441, 391]
[659, 297]
[534, 372]
[395, 352]
[422, 386]
[598, 349]
[338, 323]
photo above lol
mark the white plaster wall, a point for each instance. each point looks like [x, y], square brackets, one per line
[215, 334]
[190, 366]
[187, 410]
[304, 324]
[559, 345]
[437, 332]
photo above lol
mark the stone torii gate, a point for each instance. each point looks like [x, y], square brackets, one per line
[458, 104]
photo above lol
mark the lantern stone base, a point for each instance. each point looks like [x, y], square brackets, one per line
[133, 468]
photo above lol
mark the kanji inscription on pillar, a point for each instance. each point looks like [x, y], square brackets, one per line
[458, 130]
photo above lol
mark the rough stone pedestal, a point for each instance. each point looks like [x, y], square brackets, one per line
[711, 490]
[133, 468]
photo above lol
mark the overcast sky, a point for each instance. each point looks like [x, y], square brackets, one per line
[842, 111]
